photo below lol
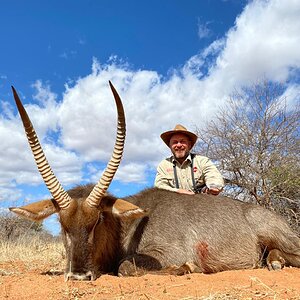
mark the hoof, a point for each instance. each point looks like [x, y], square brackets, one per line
[275, 265]
[128, 268]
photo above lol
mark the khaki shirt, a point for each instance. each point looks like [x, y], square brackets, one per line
[205, 172]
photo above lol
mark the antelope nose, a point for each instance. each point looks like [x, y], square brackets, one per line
[80, 276]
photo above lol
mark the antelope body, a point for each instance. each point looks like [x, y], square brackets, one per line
[156, 230]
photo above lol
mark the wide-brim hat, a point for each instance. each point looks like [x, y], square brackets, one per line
[166, 136]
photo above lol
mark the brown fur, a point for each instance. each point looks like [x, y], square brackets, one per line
[178, 233]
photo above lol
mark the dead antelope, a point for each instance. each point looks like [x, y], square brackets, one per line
[155, 230]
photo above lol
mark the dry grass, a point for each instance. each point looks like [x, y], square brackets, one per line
[33, 248]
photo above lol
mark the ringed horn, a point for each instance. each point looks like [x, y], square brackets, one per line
[57, 191]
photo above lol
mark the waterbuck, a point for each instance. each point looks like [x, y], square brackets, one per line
[155, 230]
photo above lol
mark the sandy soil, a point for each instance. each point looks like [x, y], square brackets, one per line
[19, 280]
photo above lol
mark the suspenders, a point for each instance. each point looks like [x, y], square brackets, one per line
[192, 172]
[175, 175]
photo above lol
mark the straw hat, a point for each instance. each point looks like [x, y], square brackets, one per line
[166, 136]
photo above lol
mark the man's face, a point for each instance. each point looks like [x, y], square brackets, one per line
[180, 146]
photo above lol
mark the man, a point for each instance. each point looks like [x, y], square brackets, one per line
[185, 172]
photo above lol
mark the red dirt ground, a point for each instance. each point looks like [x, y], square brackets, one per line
[20, 281]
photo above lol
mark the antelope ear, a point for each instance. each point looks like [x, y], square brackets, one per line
[36, 211]
[126, 210]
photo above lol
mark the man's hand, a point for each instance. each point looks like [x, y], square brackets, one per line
[182, 191]
[212, 191]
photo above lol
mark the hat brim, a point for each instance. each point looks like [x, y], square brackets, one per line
[166, 136]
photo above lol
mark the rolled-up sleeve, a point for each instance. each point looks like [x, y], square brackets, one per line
[212, 176]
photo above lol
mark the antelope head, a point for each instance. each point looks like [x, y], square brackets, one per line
[87, 219]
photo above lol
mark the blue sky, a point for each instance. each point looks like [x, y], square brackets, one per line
[171, 61]
[56, 40]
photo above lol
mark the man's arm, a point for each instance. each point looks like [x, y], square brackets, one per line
[163, 180]
[213, 178]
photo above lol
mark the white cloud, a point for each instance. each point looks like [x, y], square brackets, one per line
[126, 173]
[264, 42]
[16, 160]
[203, 30]
[292, 95]
[43, 93]
[9, 192]
[132, 172]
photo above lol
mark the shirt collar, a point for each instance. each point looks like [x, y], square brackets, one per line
[188, 159]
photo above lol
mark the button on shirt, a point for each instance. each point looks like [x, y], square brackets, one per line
[205, 172]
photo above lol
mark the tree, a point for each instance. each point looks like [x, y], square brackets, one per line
[256, 142]
[12, 227]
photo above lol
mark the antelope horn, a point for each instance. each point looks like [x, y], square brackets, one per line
[100, 188]
[58, 193]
